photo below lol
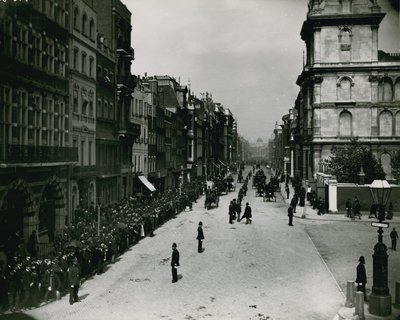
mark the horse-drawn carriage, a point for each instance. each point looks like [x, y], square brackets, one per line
[269, 192]
[212, 196]
[259, 178]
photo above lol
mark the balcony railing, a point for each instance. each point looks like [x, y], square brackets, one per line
[35, 154]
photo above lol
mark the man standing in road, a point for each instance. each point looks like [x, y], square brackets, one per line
[294, 202]
[174, 263]
[290, 215]
[231, 212]
[200, 237]
[73, 277]
[287, 191]
[247, 214]
[361, 279]
[394, 236]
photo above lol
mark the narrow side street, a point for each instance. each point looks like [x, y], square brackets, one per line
[255, 271]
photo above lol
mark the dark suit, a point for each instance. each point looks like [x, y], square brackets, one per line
[394, 236]
[247, 214]
[290, 215]
[73, 278]
[174, 264]
[361, 279]
[200, 238]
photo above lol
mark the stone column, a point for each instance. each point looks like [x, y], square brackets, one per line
[317, 45]
[374, 48]
[332, 185]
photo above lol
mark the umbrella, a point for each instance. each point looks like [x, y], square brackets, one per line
[75, 244]
[121, 225]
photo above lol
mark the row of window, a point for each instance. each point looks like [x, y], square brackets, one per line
[54, 9]
[86, 150]
[86, 28]
[144, 163]
[105, 109]
[82, 103]
[388, 124]
[33, 47]
[81, 63]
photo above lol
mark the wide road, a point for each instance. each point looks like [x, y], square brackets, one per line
[263, 270]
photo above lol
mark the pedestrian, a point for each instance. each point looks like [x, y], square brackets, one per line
[73, 278]
[290, 215]
[287, 191]
[361, 278]
[174, 263]
[238, 210]
[348, 208]
[394, 236]
[294, 202]
[200, 237]
[247, 214]
[231, 212]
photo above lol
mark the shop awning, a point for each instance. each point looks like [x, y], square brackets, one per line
[147, 183]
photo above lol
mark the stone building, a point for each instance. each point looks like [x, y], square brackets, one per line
[83, 64]
[116, 27]
[107, 142]
[35, 152]
[348, 89]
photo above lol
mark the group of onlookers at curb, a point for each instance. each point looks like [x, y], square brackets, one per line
[28, 278]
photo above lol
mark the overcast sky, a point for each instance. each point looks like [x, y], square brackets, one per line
[247, 53]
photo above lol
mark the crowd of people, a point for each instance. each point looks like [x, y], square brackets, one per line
[29, 279]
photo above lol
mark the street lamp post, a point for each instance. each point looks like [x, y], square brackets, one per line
[380, 303]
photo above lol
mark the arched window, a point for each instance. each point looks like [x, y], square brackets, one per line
[84, 24]
[397, 124]
[397, 90]
[386, 162]
[76, 18]
[345, 129]
[344, 89]
[91, 29]
[386, 90]
[385, 124]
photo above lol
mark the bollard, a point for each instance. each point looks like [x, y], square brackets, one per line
[359, 311]
[350, 294]
[397, 296]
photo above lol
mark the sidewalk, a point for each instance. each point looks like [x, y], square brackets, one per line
[307, 212]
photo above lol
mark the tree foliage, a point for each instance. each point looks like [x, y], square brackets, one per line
[345, 163]
[396, 165]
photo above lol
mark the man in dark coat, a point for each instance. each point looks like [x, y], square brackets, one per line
[238, 210]
[200, 237]
[247, 214]
[294, 202]
[287, 191]
[231, 212]
[361, 278]
[174, 263]
[73, 278]
[394, 236]
[290, 215]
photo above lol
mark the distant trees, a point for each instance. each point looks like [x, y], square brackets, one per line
[396, 165]
[345, 163]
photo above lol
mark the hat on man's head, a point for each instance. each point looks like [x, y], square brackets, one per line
[174, 245]
[362, 259]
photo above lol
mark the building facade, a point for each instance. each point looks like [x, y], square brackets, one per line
[82, 82]
[35, 152]
[349, 89]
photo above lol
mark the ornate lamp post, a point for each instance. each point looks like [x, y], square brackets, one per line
[380, 299]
